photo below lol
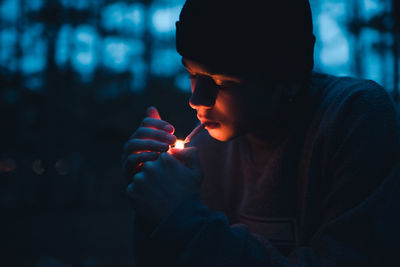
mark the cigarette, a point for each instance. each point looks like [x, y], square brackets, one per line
[194, 132]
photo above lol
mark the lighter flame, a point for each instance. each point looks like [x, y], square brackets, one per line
[180, 144]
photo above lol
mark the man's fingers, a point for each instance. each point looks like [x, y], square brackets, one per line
[136, 145]
[134, 161]
[158, 124]
[152, 112]
[149, 133]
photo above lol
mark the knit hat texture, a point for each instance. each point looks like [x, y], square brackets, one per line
[239, 37]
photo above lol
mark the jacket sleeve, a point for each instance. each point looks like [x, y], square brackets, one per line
[359, 224]
[192, 235]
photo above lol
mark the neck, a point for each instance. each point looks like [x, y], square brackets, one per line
[260, 141]
[278, 128]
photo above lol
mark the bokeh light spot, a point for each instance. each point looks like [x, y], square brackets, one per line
[163, 19]
[37, 167]
[62, 167]
[7, 165]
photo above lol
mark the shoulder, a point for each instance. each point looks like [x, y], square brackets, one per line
[348, 99]
[353, 118]
[341, 92]
[355, 139]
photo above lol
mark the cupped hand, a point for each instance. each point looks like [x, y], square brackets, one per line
[153, 137]
[162, 184]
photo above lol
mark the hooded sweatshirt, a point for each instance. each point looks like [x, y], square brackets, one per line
[324, 192]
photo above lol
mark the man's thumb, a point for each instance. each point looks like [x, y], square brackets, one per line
[189, 156]
[152, 112]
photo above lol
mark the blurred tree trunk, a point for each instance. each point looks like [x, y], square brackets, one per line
[51, 11]
[18, 85]
[396, 46]
[358, 45]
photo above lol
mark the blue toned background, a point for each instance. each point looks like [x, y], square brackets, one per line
[75, 79]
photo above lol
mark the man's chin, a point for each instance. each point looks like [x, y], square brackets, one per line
[222, 134]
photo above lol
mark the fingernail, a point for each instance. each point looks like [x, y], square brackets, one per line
[171, 138]
[168, 128]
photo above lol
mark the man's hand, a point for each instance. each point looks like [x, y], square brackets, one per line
[164, 183]
[147, 142]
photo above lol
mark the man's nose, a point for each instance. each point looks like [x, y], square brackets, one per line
[204, 93]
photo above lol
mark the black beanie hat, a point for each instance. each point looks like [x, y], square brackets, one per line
[239, 37]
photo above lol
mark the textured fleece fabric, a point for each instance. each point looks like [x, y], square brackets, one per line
[326, 192]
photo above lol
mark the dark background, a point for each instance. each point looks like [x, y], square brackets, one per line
[76, 77]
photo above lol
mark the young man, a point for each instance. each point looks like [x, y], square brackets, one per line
[295, 168]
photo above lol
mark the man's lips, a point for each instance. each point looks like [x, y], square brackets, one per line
[210, 124]
[205, 120]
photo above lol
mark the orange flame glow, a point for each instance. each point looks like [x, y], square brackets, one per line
[180, 144]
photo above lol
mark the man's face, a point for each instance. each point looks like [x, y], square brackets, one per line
[230, 106]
